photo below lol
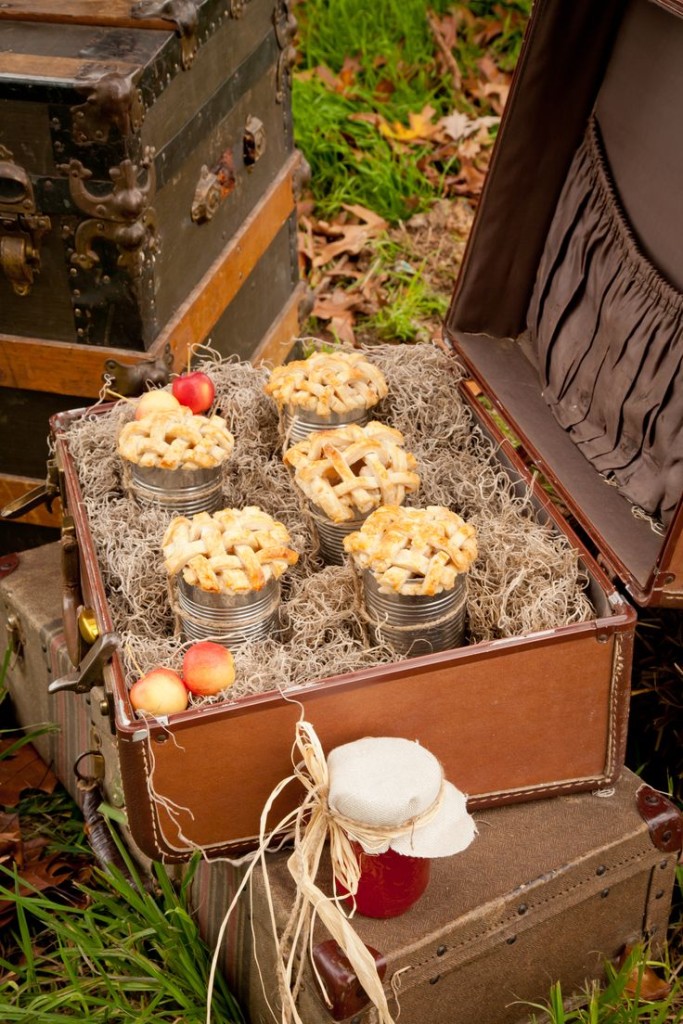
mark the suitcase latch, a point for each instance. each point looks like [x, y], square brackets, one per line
[21, 226]
[91, 670]
[43, 494]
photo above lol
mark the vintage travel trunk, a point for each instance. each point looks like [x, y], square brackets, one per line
[147, 178]
[548, 708]
[547, 892]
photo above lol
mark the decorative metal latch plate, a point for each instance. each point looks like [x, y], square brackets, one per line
[21, 226]
[132, 378]
[183, 15]
[112, 99]
[124, 216]
[213, 187]
[254, 141]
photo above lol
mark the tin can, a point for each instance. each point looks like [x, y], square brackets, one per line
[331, 537]
[298, 423]
[416, 624]
[227, 617]
[182, 491]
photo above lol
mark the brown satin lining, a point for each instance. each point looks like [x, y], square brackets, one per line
[608, 332]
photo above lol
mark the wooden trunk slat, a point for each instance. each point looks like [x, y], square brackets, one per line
[204, 306]
[13, 487]
[65, 368]
[277, 343]
[115, 13]
[29, 67]
[57, 366]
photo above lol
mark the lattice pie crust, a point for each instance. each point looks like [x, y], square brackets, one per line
[351, 470]
[231, 550]
[413, 550]
[327, 383]
[176, 440]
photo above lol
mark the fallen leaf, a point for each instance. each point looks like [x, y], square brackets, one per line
[643, 982]
[459, 126]
[337, 308]
[21, 770]
[420, 127]
[350, 238]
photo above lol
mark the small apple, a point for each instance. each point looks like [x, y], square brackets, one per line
[155, 401]
[195, 390]
[208, 668]
[160, 692]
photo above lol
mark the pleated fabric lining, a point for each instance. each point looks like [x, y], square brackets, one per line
[608, 332]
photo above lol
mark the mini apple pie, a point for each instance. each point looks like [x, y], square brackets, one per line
[327, 382]
[351, 470]
[232, 550]
[176, 440]
[413, 550]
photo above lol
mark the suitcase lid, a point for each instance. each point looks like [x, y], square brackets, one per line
[578, 58]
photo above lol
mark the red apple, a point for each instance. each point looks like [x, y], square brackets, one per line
[195, 390]
[160, 692]
[208, 668]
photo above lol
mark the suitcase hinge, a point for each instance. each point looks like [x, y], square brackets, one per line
[112, 99]
[131, 379]
[124, 216]
[663, 819]
[183, 15]
[21, 226]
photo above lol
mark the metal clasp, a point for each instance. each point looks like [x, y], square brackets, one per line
[131, 379]
[44, 494]
[21, 226]
[183, 14]
[124, 216]
[90, 671]
[113, 99]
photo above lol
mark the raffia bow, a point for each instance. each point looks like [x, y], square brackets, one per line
[313, 824]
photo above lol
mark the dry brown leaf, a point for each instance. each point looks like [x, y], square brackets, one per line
[24, 769]
[643, 981]
[349, 238]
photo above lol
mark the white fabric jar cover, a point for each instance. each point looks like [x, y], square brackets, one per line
[387, 782]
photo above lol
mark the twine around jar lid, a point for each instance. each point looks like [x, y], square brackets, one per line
[395, 790]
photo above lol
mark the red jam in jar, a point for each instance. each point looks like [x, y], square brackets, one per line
[389, 882]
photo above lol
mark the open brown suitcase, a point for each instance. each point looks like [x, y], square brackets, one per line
[564, 730]
[147, 181]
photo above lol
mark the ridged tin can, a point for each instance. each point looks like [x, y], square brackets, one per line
[228, 618]
[331, 537]
[182, 491]
[298, 423]
[416, 624]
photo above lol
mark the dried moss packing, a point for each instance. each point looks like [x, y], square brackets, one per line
[527, 577]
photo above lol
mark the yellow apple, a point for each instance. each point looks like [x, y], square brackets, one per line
[156, 401]
[160, 692]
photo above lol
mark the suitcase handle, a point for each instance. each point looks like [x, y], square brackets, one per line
[344, 995]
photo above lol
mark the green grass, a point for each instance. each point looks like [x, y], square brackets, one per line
[127, 956]
[395, 72]
[613, 1002]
